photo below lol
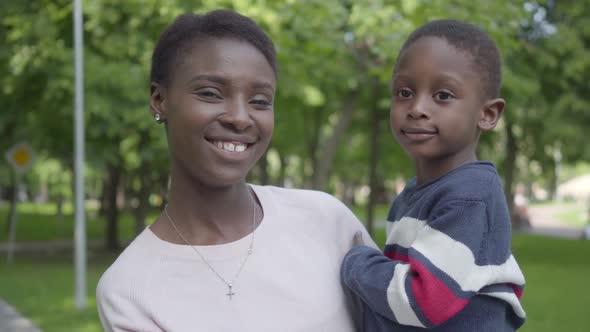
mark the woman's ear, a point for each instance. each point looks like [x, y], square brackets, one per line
[490, 114]
[157, 106]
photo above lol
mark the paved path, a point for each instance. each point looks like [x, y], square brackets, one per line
[12, 321]
[544, 220]
[47, 247]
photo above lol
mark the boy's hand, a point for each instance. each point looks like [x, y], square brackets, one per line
[357, 239]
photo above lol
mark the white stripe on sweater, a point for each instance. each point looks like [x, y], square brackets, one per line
[397, 298]
[509, 298]
[454, 258]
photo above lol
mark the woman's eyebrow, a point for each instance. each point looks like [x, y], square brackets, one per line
[211, 78]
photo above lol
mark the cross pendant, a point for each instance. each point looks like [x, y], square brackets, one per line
[230, 293]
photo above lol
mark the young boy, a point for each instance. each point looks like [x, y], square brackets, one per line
[447, 263]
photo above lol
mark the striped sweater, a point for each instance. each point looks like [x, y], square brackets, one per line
[447, 263]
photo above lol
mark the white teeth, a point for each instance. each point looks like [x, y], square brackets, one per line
[229, 147]
[232, 147]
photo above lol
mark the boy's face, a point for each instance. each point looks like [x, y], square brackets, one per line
[436, 104]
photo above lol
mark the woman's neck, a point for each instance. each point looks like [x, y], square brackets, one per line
[206, 215]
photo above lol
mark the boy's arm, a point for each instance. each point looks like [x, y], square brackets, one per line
[432, 270]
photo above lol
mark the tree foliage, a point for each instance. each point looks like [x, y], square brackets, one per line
[335, 62]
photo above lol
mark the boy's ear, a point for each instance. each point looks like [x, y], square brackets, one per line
[490, 114]
[157, 106]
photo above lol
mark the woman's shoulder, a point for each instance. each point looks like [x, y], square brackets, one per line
[301, 197]
[130, 266]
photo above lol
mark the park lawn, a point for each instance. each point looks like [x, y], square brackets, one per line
[556, 297]
[41, 286]
[38, 222]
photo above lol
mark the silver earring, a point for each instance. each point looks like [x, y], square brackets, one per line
[158, 118]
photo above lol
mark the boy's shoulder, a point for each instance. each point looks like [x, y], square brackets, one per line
[473, 181]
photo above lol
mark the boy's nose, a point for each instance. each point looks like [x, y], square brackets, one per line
[237, 116]
[419, 109]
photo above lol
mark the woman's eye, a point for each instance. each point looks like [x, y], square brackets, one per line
[404, 93]
[209, 94]
[443, 95]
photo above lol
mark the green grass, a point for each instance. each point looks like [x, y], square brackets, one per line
[556, 296]
[42, 288]
[38, 222]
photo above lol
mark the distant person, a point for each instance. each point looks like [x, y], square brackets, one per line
[447, 264]
[225, 255]
[587, 228]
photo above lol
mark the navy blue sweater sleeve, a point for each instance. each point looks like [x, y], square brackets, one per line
[432, 268]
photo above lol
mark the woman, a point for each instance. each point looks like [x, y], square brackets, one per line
[225, 255]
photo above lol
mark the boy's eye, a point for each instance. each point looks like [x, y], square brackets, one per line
[443, 95]
[261, 102]
[404, 93]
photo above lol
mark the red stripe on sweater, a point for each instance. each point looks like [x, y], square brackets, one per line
[397, 257]
[517, 291]
[435, 299]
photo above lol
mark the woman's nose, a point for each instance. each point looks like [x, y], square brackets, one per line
[237, 115]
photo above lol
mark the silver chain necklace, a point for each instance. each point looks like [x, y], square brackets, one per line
[228, 283]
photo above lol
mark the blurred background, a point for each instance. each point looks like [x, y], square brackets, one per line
[331, 134]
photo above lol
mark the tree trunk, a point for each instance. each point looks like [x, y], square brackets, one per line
[112, 211]
[282, 170]
[141, 211]
[312, 138]
[102, 210]
[552, 183]
[145, 186]
[59, 215]
[330, 145]
[509, 170]
[13, 201]
[263, 164]
[374, 134]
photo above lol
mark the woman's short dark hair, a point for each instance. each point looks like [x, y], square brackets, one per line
[188, 28]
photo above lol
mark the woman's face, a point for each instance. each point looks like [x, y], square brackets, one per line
[219, 111]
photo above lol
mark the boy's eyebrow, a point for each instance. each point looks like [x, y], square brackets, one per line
[449, 76]
[263, 85]
[442, 76]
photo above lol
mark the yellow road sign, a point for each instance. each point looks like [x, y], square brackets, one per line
[20, 156]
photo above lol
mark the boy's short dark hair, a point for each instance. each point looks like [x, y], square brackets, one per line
[471, 39]
[187, 28]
